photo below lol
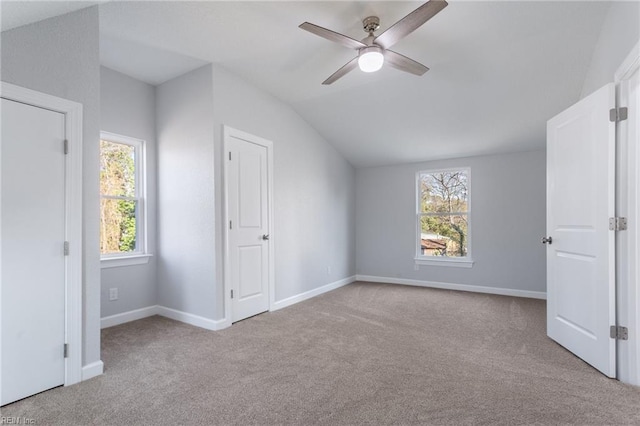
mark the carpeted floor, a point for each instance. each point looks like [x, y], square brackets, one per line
[363, 354]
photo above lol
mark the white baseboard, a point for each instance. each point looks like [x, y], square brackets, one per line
[192, 319]
[92, 370]
[174, 314]
[311, 293]
[124, 317]
[207, 323]
[459, 287]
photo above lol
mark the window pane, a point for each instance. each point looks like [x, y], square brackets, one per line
[444, 192]
[443, 235]
[118, 226]
[117, 169]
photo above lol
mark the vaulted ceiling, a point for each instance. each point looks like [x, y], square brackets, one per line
[499, 70]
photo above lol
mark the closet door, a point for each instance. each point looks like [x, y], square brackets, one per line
[32, 253]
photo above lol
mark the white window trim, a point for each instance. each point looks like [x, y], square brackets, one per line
[140, 255]
[128, 260]
[461, 262]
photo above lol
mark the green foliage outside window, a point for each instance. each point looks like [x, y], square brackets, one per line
[118, 203]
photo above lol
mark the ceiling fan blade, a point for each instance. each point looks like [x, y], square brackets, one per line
[332, 35]
[409, 23]
[349, 66]
[403, 63]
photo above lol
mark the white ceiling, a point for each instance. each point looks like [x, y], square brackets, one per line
[499, 69]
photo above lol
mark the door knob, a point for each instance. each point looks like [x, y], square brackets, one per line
[547, 240]
[265, 237]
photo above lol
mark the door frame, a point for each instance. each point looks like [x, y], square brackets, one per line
[73, 217]
[229, 132]
[628, 285]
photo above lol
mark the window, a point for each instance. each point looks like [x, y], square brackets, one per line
[443, 212]
[122, 200]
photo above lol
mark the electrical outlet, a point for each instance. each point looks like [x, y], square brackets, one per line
[113, 294]
[328, 270]
[416, 267]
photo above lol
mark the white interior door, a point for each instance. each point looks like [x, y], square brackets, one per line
[248, 234]
[32, 253]
[580, 255]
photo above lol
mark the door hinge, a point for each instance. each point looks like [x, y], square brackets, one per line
[232, 294]
[229, 155]
[66, 248]
[230, 225]
[66, 146]
[617, 224]
[619, 333]
[618, 114]
[66, 350]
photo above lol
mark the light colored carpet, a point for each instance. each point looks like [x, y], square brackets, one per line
[363, 354]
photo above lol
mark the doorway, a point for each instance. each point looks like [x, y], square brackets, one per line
[616, 298]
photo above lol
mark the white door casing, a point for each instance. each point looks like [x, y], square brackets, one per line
[249, 244]
[40, 209]
[627, 79]
[581, 256]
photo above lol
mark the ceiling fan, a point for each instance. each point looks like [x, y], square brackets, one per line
[373, 50]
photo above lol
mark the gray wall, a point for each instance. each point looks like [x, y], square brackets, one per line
[508, 208]
[314, 188]
[620, 32]
[186, 216]
[59, 56]
[314, 192]
[128, 108]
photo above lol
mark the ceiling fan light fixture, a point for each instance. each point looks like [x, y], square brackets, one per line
[370, 59]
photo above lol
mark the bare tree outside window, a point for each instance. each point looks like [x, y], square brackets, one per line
[443, 213]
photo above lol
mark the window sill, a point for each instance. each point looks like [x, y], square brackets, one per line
[116, 262]
[458, 263]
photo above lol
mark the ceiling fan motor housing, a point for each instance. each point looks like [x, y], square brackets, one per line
[371, 24]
